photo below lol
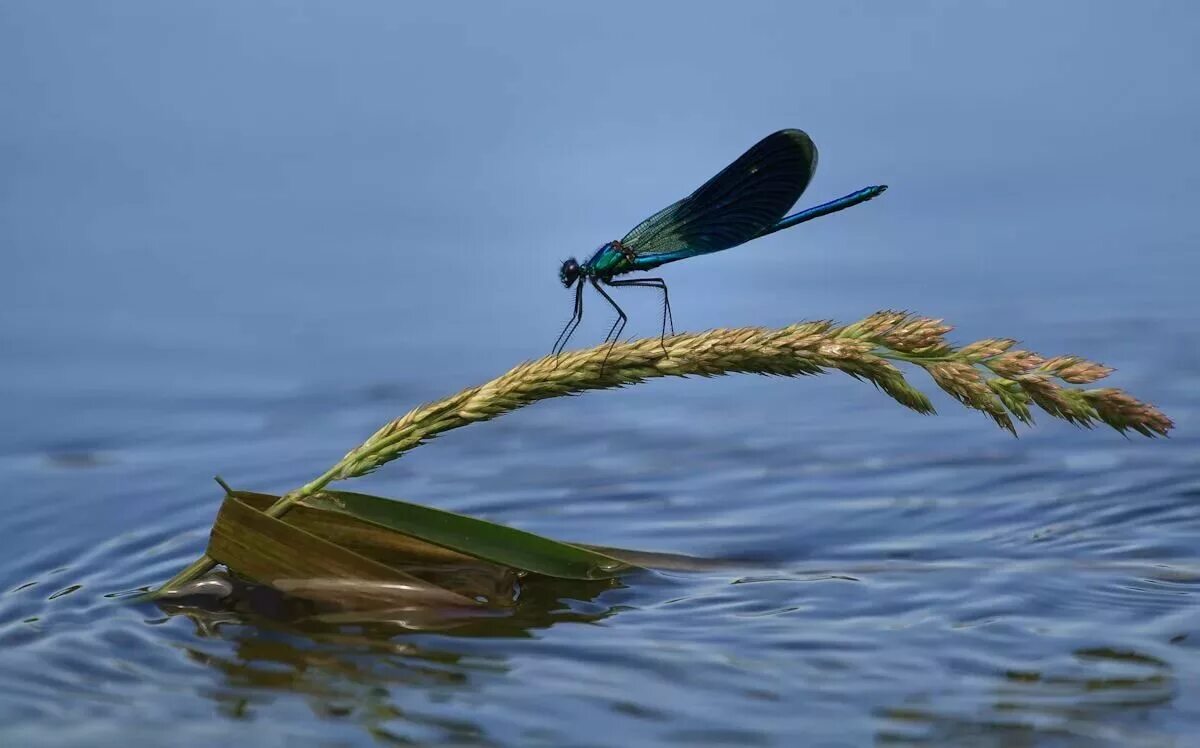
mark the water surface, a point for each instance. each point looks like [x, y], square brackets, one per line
[236, 240]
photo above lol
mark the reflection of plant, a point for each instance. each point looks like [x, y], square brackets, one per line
[987, 375]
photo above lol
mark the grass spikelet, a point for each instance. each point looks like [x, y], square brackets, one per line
[901, 331]
[1013, 397]
[1074, 369]
[985, 375]
[1013, 363]
[1055, 400]
[964, 383]
[1123, 412]
[981, 350]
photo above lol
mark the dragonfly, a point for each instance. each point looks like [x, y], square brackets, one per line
[744, 201]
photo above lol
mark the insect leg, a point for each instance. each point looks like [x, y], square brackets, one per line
[618, 326]
[572, 324]
[659, 283]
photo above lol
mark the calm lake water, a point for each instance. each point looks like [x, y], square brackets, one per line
[236, 240]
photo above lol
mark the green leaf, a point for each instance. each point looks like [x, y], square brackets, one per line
[474, 537]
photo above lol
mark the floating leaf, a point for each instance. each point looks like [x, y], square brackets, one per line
[278, 554]
[474, 537]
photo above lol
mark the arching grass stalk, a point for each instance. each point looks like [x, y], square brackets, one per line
[988, 375]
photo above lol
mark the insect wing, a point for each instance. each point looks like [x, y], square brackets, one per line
[744, 199]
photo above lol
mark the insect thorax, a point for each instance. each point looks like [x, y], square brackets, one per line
[610, 259]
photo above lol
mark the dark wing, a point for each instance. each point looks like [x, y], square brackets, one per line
[747, 197]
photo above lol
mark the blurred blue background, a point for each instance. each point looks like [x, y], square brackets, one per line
[237, 237]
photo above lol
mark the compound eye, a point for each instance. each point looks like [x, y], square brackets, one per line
[568, 272]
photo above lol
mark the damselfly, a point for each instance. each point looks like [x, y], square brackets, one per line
[746, 200]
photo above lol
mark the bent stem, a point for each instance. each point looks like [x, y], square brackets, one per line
[987, 376]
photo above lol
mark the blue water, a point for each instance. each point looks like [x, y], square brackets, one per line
[236, 239]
